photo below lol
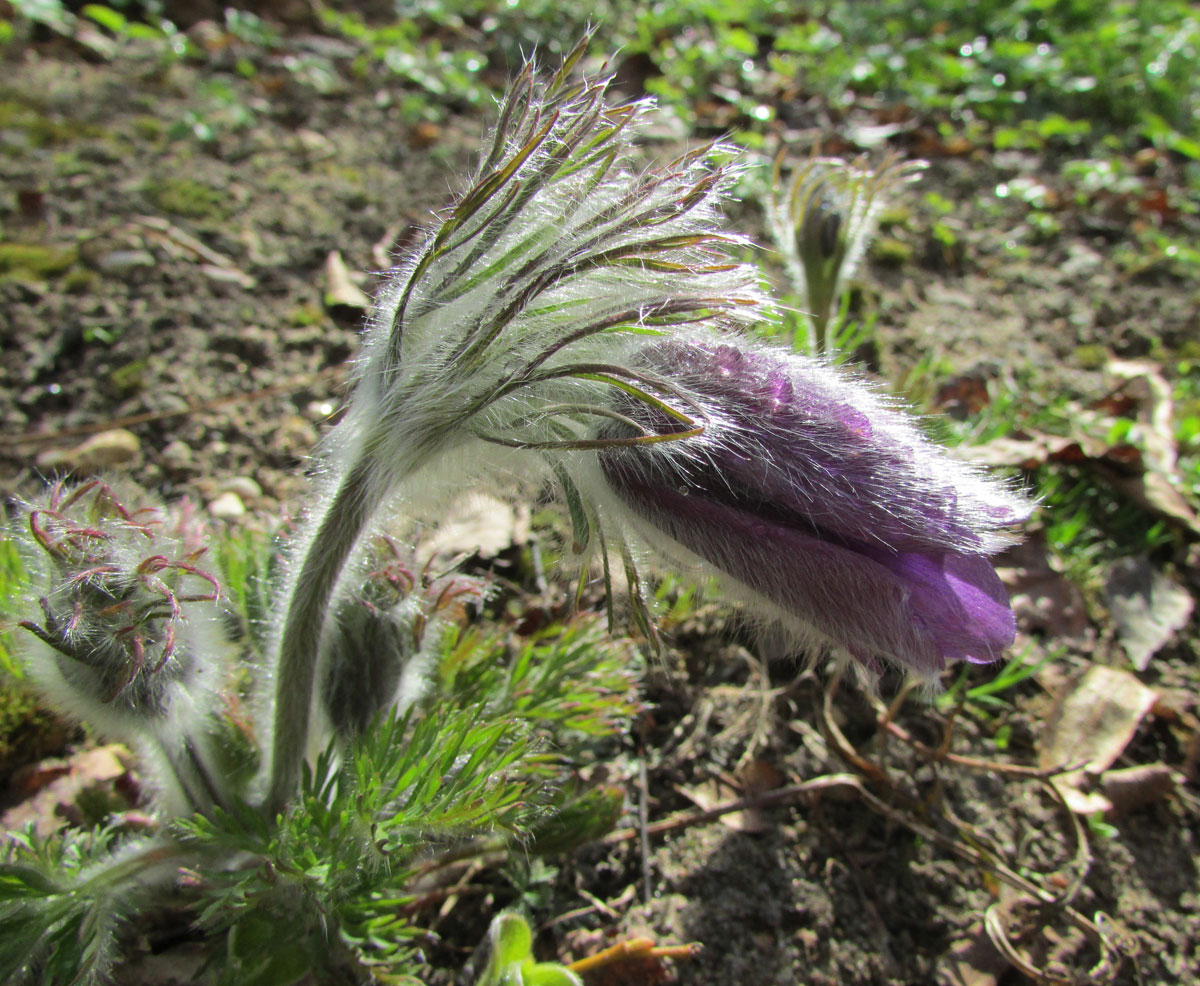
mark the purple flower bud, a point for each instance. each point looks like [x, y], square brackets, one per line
[824, 505]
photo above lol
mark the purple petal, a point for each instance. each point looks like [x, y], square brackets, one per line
[849, 598]
[822, 500]
[959, 601]
[793, 436]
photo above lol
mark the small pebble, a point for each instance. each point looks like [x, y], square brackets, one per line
[316, 145]
[178, 455]
[295, 436]
[169, 403]
[123, 261]
[245, 487]
[227, 506]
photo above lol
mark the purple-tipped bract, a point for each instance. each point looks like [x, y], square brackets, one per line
[825, 505]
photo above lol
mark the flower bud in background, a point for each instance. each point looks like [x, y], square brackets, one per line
[823, 221]
[122, 625]
[822, 505]
[382, 641]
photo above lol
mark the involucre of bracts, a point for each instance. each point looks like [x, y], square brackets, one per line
[514, 321]
[824, 505]
[123, 630]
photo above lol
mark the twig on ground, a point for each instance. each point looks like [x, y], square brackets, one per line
[781, 795]
[609, 910]
[222, 264]
[643, 823]
[973, 763]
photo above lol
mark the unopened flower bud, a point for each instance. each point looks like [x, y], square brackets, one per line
[824, 506]
[824, 219]
[382, 641]
[123, 630]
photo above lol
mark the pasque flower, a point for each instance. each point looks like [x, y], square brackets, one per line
[509, 328]
[822, 221]
[822, 504]
[546, 316]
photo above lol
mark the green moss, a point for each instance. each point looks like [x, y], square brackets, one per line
[186, 197]
[305, 315]
[68, 164]
[149, 127]
[27, 731]
[1189, 349]
[1092, 357]
[33, 260]
[341, 172]
[130, 378]
[41, 129]
[80, 280]
[891, 251]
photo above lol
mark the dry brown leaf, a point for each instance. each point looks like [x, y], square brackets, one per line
[714, 792]
[974, 961]
[424, 134]
[1156, 492]
[482, 524]
[1158, 487]
[1146, 472]
[104, 450]
[962, 395]
[755, 778]
[1036, 449]
[1043, 599]
[1093, 720]
[340, 290]
[1147, 607]
[1132, 787]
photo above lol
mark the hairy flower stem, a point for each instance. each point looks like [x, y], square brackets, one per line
[346, 516]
